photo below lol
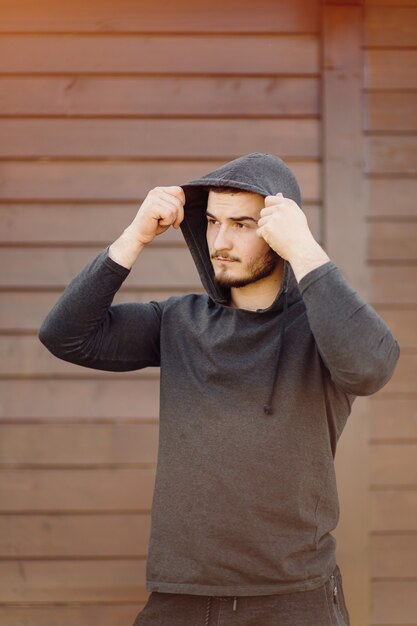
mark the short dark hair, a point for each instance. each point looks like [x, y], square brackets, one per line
[225, 189]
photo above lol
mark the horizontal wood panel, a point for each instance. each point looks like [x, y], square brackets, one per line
[156, 138]
[168, 54]
[108, 399]
[402, 324]
[390, 111]
[391, 26]
[393, 284]
[90, 223]
[390, 69]
[159, 96]
[403, 379]
[67, 615]
[42, 180]
[130, 16]
[75, 490]
[393, 418]
[74, 536]
[393, 510]
[394, 602]
[391, 154]
[26, 355]
[392, 197]
[78, 444]
[43, 267]
[394, 556]
[393, 464]
[24, 312]
[392, 241]
[73, 581]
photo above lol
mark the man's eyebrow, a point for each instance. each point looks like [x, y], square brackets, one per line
[243, 218]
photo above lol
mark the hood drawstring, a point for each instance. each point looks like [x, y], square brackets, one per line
[268, 409]
[234, 603]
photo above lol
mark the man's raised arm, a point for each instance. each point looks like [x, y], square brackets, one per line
[84, 328]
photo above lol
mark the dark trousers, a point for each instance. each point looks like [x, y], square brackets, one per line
[324, 606]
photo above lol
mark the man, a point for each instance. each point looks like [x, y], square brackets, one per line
[257, 381]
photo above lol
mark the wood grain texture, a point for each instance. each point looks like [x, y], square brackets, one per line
[163, 139]
[390, 111]
[128, 16]
[394, 25]
[160, 54]
[393, 417]
[394, 556]
[179, 96]
[393, 510]
[128, 181]
[393, 241]
[79, 445]
[76, 490]
[75, 581]
[394, 464]
[394, 602]
[391, 69]
[82, 399]
[74, 536]
[391, 155]
[392, 197]
[70, 615]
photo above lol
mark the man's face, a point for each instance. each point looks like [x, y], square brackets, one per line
[239, 257]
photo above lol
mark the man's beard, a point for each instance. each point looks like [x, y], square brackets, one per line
[257, 270]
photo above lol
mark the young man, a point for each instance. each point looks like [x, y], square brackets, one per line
[257, 381]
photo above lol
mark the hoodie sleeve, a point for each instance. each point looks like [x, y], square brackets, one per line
[84, 328]
[354, 342]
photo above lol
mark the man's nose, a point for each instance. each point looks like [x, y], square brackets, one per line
[222, 240]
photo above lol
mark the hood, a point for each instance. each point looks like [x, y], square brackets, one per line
[265, 174]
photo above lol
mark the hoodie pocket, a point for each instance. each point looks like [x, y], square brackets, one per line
[336, 600]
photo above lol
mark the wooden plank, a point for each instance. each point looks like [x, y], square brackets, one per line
[390, 69]
[69, 615]
[83, 445]
[389, 3]
[129, 16]
[83, 399]
[390, 111]
[390, 26]
[393, 417]
[391, 155]
[345, 242]
[394, 601]
[53, 267]
[392, 284]
[156, 138]
[403, 325]
[117, 181]
[404, 379]
[167, 54]
[97, 224]
[159, 96]
[394, 464]
[72, 581]
[393, 510]
[392, 241]
[76, 490]
[392, 197]
[25, 311]
[394, 556]
[74, 536]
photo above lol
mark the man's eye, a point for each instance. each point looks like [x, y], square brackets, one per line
[240, 225]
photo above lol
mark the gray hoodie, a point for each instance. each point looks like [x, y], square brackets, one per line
[252, 404]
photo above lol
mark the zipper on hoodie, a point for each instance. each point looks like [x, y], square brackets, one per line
[335, 590]
[234, 603]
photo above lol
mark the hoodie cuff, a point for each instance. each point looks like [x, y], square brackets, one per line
[113, 265]
[316, 274]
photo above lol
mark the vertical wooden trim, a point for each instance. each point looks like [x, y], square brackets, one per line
[345, 240]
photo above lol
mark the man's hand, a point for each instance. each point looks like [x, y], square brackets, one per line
[284, 227]
[163, 207]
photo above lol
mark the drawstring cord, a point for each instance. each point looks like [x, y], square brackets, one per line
[268, 409]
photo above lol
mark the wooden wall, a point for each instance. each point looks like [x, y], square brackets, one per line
[390, 127]
[100, 102]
